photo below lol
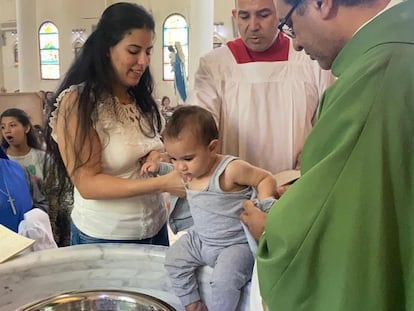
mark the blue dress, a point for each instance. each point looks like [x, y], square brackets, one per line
[13, 181]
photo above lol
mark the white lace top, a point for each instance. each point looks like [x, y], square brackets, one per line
[123, 144]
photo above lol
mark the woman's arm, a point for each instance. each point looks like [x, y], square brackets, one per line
[88, 178]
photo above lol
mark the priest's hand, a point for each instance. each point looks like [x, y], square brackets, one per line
[281, 190]
[254, 219]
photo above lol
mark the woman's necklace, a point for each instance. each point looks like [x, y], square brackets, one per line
[10, 199]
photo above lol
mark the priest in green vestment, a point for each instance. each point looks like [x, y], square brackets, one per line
[342, 237]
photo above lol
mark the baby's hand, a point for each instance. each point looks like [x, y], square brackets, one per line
[153, 156]
[150, 168]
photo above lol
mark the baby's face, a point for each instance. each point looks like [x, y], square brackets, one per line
[190, 157]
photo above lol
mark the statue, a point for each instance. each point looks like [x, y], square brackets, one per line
[177, 63]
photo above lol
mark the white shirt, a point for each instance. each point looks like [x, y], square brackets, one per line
[33, 161]
[264, 110]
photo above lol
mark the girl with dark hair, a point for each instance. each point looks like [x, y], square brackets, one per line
[104, 125]
[22, 143]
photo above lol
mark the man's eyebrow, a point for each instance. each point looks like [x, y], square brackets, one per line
[258, 12]
[242, 12]
[265, 10]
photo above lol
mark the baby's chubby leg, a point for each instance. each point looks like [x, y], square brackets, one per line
[233, 269]
[181, 262]
[196, 306]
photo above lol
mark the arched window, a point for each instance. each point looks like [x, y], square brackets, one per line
[175, 29]
[49, 51]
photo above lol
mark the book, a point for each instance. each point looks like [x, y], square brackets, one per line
[12, 243]
[286, 177]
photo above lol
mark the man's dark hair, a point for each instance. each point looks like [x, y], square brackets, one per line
[348, 3]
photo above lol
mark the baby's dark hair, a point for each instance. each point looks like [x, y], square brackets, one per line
[195, 119]
[33, 140]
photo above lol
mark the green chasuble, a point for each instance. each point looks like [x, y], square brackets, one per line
[342, 237]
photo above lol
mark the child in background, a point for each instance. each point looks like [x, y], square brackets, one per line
[216, 187]
[166, 109]
[22, 143]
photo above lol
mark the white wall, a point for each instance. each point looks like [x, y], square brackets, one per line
[8, 73]
[82, 14]
[10, 78]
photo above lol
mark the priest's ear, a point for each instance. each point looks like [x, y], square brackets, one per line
[234, 13]
[326, 8]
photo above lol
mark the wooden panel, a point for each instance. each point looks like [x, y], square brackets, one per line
[29, 102]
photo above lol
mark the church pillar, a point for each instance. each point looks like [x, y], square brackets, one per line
[27, 48]
[2, 84]
[201, 30]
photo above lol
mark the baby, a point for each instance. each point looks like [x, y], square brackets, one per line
[216, 187]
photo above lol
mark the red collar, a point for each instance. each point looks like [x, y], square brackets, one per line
[279, 51]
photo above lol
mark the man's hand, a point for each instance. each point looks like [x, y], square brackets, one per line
[254, 219]
[281, 190]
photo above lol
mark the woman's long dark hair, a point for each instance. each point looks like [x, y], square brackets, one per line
[93, 69]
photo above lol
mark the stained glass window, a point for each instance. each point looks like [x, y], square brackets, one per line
[49, 51]
[175, 29]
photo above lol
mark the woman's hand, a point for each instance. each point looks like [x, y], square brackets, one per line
[173, 183]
